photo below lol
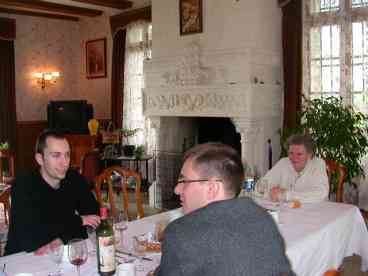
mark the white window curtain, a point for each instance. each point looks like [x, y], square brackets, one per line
[138, 48]
[335, 50]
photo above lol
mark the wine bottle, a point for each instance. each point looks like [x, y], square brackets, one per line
[105, 245]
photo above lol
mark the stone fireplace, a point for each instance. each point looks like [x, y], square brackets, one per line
[233, 70]
[215, 84]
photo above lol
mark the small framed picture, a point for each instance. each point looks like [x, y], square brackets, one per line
[190, 12]
[96, 58]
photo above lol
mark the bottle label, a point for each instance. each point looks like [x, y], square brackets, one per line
[103, 213]
[107, 253]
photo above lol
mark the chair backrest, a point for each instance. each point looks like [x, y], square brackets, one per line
[105, 177]
[332, 166]
[332, 272]
[90, 166]
[7, 161]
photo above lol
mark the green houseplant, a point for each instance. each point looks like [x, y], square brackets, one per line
[4, 146]
[338, 131]
[139, 152]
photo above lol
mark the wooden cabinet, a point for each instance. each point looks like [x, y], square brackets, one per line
[80, 145]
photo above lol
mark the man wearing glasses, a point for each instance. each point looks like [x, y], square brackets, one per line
[220, 234]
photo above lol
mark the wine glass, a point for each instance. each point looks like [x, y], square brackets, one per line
[160, 229]
[119, 225]
[56, 255]
[139, 247]
[77, 252]
[91, 232]
[282, 201]
[262, 188]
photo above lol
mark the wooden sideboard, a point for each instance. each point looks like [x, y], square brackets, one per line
[80, 145]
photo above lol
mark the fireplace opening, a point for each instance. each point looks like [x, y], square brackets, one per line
[184, 133]
[215, 129]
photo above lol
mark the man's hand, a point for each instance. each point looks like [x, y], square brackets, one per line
[43, 250]
[91, 220]
[276, 193]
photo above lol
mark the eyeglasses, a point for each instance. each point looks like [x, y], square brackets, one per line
[184, 181]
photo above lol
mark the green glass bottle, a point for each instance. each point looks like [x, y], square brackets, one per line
[105, 245]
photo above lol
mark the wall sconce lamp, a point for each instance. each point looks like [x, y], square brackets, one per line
[44, 78]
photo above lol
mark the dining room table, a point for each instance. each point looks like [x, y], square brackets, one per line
[318, 236]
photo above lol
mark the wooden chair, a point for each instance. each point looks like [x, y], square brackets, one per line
[105, 177]
[332, 272]
[90, 166]
[332, 167]
[7, 158]
[80, 145]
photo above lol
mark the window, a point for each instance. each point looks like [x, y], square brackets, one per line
[335, 43]
[138, 48]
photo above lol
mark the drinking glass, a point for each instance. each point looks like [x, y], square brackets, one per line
[139, 246]
[282, 207]
[56, 255]
[119, 225]
[159, 230]
[91, 232]
[262, 188]
[77, 252]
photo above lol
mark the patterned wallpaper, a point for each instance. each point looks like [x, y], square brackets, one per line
[58, 45]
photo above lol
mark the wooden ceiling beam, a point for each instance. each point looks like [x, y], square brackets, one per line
[116, 4]
[38, 14]
[50, 7]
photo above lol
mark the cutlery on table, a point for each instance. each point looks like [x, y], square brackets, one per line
[133, 255]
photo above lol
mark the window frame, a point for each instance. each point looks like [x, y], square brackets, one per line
[343, 17]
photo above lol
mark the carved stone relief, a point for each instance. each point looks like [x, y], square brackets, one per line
[190, 70]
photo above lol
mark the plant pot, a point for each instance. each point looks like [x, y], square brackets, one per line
[128, 150]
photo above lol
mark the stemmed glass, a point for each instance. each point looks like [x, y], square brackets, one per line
[77, 252]
[91, 232]
[139, 246]
[262, 188]
[56, 255]
[120, 225]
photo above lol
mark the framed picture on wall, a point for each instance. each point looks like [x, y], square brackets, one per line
[190, 12]
[96, 58]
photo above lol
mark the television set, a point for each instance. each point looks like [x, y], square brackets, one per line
[70, 116]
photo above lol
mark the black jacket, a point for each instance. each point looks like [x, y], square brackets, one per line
[40, 214]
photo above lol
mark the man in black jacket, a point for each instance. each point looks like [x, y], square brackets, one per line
[52, 205]
[219, 234]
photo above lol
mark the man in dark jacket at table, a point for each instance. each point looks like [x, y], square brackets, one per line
[219, 234]
[51, 205]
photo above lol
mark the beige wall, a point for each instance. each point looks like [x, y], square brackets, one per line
[250, 24]
[97, 91]
[58, 45]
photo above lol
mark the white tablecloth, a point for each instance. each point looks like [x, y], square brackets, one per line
[318, 237]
